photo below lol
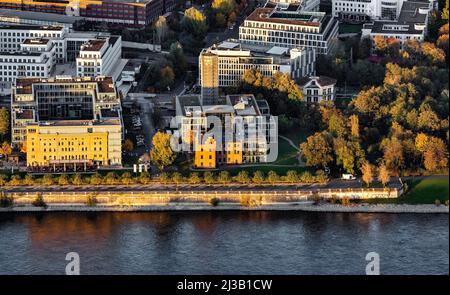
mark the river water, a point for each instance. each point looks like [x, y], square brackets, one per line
[226, 242]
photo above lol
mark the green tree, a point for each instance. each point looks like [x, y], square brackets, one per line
[243, 177]
[292, 176]
[258, 177]
[194, 178]
[77, 179]
[161, 154]
[272, 177]
[177, 178]
[63, 179]
[47, 179]
[126, 178]
[96, 179]
[224, 177]
[111, 178]
[144, 178]
[208, 177]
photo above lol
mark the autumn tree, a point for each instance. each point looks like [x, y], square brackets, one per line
[367, 173]
[436, 155]
[194, 22]
[383, 175]
[224, 177]
[161, 154]
[6, 149]
[128, 145]
[161, 28]
[317, 150]
[393, 154]
[354, 126]
[4, 121]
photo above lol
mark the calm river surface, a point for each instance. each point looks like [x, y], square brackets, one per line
[235, 242]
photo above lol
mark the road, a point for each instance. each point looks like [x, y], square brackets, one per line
[157, 187]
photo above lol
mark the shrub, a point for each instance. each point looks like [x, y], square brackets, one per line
[291, 176]
[345, 201]
[247, 201]
[214, 202]
[306, 177]
[437, 202]
[39, 201]
[91, 201]
[3, 179]
[316, 198]
[5, 201]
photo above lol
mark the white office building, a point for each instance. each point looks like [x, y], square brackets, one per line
[365, 10]
[99, 57]
[224, 64]
[291, 28]
[35, 58]
[411, 24]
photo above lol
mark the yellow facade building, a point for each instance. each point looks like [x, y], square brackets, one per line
[205, 154]
[73, 146]
[234, 153]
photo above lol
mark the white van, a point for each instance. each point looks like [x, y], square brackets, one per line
[348, 177]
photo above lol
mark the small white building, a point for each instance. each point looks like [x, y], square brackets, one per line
[99, 56]
[318, 88]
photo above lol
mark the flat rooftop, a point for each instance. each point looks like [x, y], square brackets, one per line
[80, 123]
[411, 14]
[39, 16]
[30, 27]
[93, 45]
[36, 41]
[273, 15]
[24, 85]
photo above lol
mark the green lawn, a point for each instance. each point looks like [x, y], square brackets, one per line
[287, 155]
[349, 28]
[427, 190]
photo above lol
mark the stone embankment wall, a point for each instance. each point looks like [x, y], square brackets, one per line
[174, 197]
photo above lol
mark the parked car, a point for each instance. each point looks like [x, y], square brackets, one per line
[348, 177]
